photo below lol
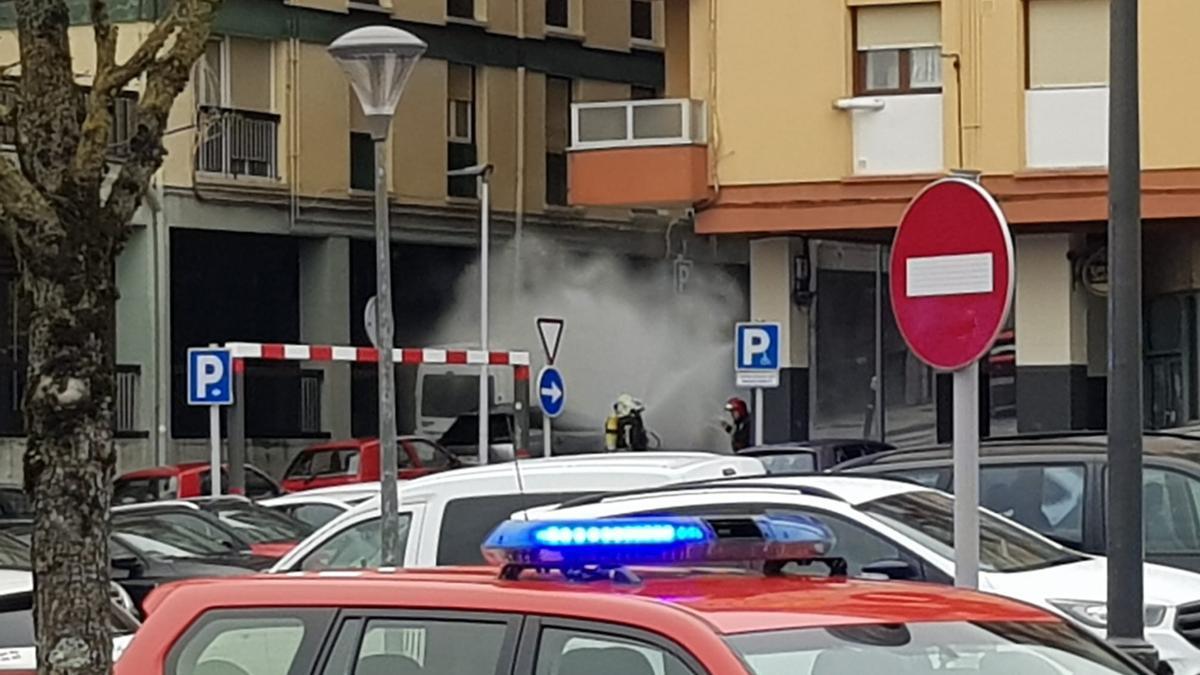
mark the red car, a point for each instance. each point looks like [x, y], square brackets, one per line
[560, 606]
[357, 461]
[186, 481]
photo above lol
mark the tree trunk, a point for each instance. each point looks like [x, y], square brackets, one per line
[70, 460]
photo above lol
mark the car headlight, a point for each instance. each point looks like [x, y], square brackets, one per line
[1095, 614]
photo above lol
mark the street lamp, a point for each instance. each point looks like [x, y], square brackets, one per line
[483, 172]
[377, 61]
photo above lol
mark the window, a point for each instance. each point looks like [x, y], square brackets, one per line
[460, 9]
[241, 641]
[428, 455]
[341, 462]
[177, 534]
[460, 129]
[801, 461]
[937, 479]
[259, 486]
[356, 547]
[1170, 501]
[362, 161]
[641, 20]
[1068, 43]
[575, 652]
[638, 93]
[467, 522]
[558, 13]
[137, 490]
[1049, 499]
[315, 515]
[558, 138]
[898, 49]
[402, 645]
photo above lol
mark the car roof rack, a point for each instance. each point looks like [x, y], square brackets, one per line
[707, 484]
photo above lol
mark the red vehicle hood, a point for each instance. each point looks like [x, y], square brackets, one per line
[274, 549]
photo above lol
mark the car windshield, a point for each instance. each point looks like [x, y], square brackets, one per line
[14, 552]
[261, 525]
[800, 461]
[927, 517]
[173, 535]
[958, 647]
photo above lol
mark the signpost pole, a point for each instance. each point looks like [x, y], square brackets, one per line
[545, 435]
[758, 415]
[214, 438]
[966, 476]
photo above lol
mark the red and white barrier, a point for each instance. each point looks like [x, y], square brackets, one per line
[285, 352]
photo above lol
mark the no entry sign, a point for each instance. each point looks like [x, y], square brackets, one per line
[952, 273]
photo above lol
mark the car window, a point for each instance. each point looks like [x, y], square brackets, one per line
[251, 643]
[428, 454]
[315, 515]
[259, 524]
[258, 486]
[138, 490]
[395, 646]
[301, 467]
[937, 479]
[340, 462]
[14, 553]
[190, 532]
[356, 547]
[927, 517]
[466, 522]
[14, 503]
[576, 652]
[1048, 499]
[801, 461]
[1170, 500]
[853, 542]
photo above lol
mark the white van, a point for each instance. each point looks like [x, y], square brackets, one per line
[445, 517]
[445, 391]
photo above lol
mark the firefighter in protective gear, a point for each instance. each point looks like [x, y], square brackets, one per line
[625, 429]
[738, 426]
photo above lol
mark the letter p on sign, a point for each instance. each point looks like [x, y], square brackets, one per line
[210, 377]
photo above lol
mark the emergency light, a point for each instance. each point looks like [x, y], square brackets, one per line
[616, 542]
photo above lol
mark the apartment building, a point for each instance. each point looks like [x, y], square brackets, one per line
[260, 223]
[810, 125]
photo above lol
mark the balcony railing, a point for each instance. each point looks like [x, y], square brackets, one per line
[126, 401]
[238, 143]
[625, 124]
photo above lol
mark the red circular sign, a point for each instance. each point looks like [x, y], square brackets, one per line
[952, 273]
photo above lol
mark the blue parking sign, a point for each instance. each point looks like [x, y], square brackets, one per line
[209, 376]
[757, 346]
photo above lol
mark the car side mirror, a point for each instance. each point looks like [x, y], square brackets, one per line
[896, 570]
[131, 566]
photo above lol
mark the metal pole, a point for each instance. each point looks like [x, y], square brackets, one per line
[388, 498]
[1125, 554]
[214, 439]
[758, 416]
[880, 417]
[485, 194]
[546, 431]
[966, 476]
[237, 431]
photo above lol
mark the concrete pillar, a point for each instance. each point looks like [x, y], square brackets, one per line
[1051, 335]
[325, 320]
[771, 299]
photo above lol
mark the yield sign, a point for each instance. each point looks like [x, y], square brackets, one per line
[550, 331]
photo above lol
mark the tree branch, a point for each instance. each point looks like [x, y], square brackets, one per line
[166, 77]
[19, 198]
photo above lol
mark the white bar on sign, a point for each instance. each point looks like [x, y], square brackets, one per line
[960, 274]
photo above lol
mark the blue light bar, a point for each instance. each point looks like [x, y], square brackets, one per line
[607, 543]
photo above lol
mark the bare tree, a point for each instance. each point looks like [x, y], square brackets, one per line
[66, 217]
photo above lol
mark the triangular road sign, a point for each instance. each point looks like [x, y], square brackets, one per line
[550, 331]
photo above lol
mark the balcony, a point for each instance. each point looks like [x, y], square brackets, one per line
[638, 153]
[1066, 128]
[238, 143]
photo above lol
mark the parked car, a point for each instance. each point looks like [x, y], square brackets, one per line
[813, 456]
[268, 532]
[571, 436]
[905, 531]
[358, 461]
[444, 517]
[321, 505]
[17, 644]
[1055, 485]
[185, 481]
[186, 527]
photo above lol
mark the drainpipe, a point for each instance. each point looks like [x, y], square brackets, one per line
[519, 202]
[160, 417]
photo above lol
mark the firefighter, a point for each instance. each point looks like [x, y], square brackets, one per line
[738, 425]
[624, 429]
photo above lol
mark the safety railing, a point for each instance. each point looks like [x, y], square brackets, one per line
[238, 143]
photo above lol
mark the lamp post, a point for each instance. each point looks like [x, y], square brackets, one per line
[378, 60]
[483, 173]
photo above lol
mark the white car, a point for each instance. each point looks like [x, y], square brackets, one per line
[444, 517]
[17, 650]
[321, 505]
[905, 531]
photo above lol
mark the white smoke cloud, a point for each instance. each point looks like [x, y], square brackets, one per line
[627, 331]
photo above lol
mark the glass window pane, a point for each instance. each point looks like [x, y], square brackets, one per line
[658, 121]
[1048, 499]
[1169, 509]
[883, 70]
[926, 68]
[396, 647]
[357, 547]
[260, 645]
[602, 124]
[566, 652]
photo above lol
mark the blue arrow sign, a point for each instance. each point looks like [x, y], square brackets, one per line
[552, 393]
